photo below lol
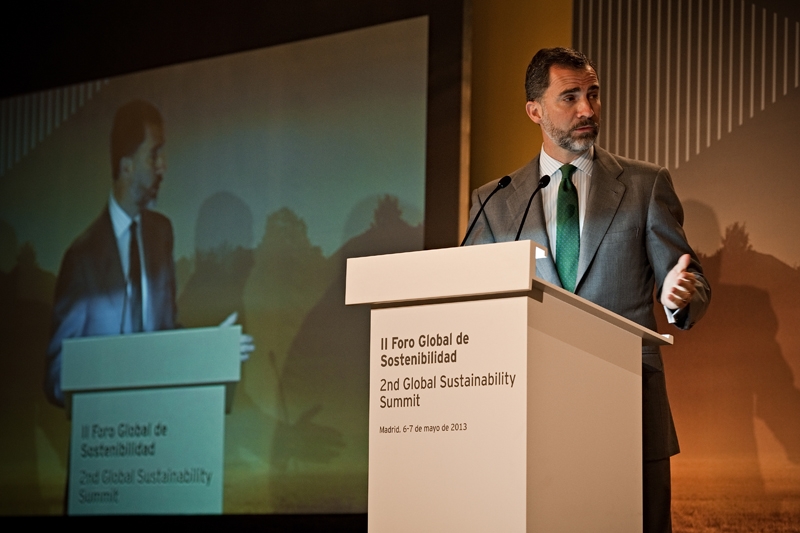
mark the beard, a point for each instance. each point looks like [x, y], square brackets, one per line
[566, 139]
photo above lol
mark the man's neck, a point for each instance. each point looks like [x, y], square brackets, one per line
[573, 157]
[561, 155]
[124, 202]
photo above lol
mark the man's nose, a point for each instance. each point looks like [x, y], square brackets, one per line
[585, 108]
[161, 164]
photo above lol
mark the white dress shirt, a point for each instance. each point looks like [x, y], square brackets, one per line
[121, 223]
[581, 177]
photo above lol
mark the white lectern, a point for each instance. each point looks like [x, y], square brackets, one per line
[148, 420]
[498, 402]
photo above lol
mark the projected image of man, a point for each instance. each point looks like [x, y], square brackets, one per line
[118, 276]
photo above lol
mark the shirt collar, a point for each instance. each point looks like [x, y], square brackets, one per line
[549, 165]
[120, 220]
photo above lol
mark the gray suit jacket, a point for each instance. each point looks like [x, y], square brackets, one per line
[632, 236]
[90, 291]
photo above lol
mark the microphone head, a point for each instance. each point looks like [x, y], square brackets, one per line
[504, 181]
[544, 181]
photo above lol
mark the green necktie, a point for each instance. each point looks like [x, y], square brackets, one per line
[568, 230]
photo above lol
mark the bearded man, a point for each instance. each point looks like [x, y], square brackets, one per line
[613, 230]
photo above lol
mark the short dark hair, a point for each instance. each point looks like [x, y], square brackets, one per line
[129, 129]
[537, 77]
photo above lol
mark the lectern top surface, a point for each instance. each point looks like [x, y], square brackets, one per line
[446, 273]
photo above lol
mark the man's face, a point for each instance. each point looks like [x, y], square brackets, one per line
[147, 168]
[568, 112]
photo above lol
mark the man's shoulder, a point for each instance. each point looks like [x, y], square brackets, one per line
[156, 219]
[156, 228]
[98, 231]
[610, 160]
[529, 170]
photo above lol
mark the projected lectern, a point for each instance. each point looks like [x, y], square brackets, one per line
[148, 420]
[498, 402]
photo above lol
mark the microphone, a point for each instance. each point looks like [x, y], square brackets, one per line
[544, 181]
[502, 184]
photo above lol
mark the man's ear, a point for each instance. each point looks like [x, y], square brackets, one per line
[125, 166]
[534, 111]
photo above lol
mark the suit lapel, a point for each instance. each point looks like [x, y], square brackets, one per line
[535, 228]
[605, 195]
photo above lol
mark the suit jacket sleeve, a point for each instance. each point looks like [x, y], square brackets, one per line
[666, 242]
[69, 320]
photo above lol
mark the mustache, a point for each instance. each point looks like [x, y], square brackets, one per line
[584, 123]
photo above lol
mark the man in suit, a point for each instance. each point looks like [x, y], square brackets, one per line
[119, 276]
[613, 228]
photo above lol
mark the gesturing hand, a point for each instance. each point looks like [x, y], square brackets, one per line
[679, 285]
[246, 344]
